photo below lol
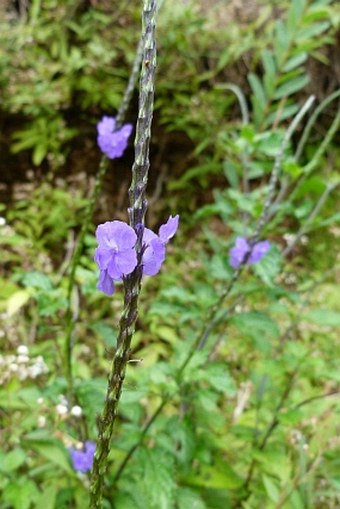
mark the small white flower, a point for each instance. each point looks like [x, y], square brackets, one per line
[61, 409]
[22, 350]
[13, 367]
[22, 359]
[76, 411]
[40, 401]
[41, 421]
[2, 221]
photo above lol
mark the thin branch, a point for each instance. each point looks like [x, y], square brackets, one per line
[304, 228]
[277, 167]
[311, 122]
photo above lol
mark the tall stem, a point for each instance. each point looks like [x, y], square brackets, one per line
[70, 318]
[138, 206]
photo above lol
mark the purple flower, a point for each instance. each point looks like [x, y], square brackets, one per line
[83, 459]
[242, 249]
[111, 142]
[115, 254]
[154, 254]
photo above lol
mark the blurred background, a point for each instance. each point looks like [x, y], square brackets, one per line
[254, 420]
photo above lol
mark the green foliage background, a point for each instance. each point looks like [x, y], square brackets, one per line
[254, 419]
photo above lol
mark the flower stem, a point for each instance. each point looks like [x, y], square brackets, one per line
[138, 205]
[70, 317]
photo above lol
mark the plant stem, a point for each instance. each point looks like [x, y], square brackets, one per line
[311, 122]
[132, 283]
[277, 167]
[304, 228]
[70, 317]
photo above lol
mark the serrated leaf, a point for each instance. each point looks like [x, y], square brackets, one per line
[269, 267]
[158, 477]
[187, 498]
[37, 280]
[258, 326]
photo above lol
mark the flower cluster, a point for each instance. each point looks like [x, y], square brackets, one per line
[82, 459]
[244, 252]
[21, 366]
[111, 141]
[116, 255]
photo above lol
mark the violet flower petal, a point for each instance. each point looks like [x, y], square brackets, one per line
[168, 230]
[258, 252]
[105, 283]
[238, 252]
[83, 459]
[112, 143]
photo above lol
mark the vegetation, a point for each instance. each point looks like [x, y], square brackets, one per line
[231, 394]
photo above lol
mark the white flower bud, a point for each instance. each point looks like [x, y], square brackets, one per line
[61, 409]
[22, 359]
[22, 350]
[76, 411]
[41, 421]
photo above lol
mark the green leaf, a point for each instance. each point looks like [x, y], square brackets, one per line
[55, 454]
[222, 475]
[271, 488]
[312, 31]
[187, 498]
[17, 301]
[292, 86]
[157, 469]
[37, 280]
[231, 174]
[13, 460]
[324, 317]
[269, 267]
[20, 495]
[295, 61]
[257, 89]
[47, 498]
[257, 326]
[39, 153]
[282, 41]
[270, 72]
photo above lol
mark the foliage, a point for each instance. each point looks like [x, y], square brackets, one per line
[252, 420]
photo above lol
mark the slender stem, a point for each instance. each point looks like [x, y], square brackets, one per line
[277, 166]
[311, 122]
[307, 170]
[273, 424]
[310, 218]
[70, 317]
[132, 283]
